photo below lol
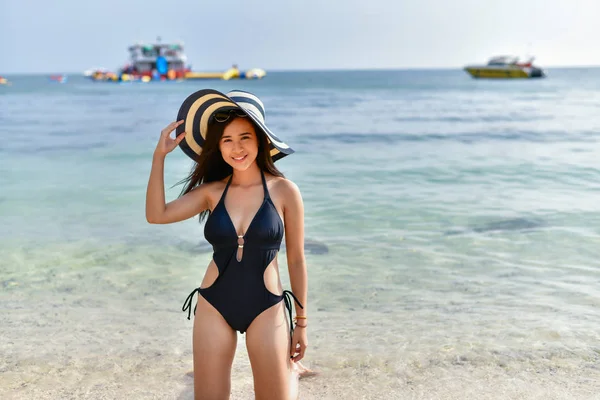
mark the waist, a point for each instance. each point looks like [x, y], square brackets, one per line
[247, 246]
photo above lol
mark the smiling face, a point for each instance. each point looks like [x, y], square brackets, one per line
[239, 144]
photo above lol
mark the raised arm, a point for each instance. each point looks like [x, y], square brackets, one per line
[188, 205]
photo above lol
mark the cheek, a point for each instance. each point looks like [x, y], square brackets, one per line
[253, 146]
[224, 148]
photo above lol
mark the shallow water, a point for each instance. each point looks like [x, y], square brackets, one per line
[460, 219]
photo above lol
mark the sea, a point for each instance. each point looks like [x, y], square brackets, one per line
[452, 236]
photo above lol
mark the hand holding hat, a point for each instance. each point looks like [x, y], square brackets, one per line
[166, 144]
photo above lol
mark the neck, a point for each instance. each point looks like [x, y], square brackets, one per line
[248, 177]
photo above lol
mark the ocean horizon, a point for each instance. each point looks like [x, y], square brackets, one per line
[557, 67]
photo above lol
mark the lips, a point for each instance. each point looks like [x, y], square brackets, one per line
[239, 159]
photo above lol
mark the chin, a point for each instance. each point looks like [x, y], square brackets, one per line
[238, 167]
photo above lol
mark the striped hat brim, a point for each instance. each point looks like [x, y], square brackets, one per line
[198, 107]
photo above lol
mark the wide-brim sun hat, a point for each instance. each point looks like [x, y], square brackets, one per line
[200, 106]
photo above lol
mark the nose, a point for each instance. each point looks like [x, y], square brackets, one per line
[237, 146]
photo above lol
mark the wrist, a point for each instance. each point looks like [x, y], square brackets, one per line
[301, 321]
[159, 156]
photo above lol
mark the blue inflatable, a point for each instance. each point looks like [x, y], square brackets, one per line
[162, 66]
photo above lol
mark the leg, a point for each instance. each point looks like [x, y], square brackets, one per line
[268, 343]
[214, 345]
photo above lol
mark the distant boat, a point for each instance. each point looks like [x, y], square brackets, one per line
[89, 72]
[505, 67]
[164, 62]
[58, 78]
[4, 81]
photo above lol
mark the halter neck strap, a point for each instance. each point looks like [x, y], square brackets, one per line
[264, 181]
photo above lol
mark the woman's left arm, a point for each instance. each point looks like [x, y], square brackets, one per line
[293, 215]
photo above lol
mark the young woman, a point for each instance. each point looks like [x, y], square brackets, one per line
[248, 206]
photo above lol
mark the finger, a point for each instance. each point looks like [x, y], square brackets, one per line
[171, 127]
[296, 349]
[179, 138]
[300, 352]
[175, 124]
[299, 357]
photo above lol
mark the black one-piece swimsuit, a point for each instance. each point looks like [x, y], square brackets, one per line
[239, 292]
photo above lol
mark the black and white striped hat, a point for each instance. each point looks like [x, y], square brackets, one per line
[197, 109]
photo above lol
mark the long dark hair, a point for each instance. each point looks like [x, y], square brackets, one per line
[210, 166]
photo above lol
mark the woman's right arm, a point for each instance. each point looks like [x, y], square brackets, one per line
[188, 205]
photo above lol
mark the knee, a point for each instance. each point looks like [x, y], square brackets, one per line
[210, 386]
[214, 390]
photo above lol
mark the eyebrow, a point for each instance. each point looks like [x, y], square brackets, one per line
[241, 134]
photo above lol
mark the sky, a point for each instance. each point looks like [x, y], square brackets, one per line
[65, 36]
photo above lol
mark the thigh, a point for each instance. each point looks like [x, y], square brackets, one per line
[214, 343]
[268, 343]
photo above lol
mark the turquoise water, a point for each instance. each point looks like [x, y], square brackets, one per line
[461, 219]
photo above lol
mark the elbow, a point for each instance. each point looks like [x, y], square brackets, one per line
[299, 263]
[152, 219]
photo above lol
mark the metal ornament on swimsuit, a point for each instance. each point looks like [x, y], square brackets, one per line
[239, 293]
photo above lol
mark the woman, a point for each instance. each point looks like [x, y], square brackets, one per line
[248, 206]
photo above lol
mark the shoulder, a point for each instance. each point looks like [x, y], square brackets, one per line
[283, 185]
[215, 185]
[210, 187]
[286, 190]
[210, 192]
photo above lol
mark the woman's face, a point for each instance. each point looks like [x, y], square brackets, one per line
[239, 144]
